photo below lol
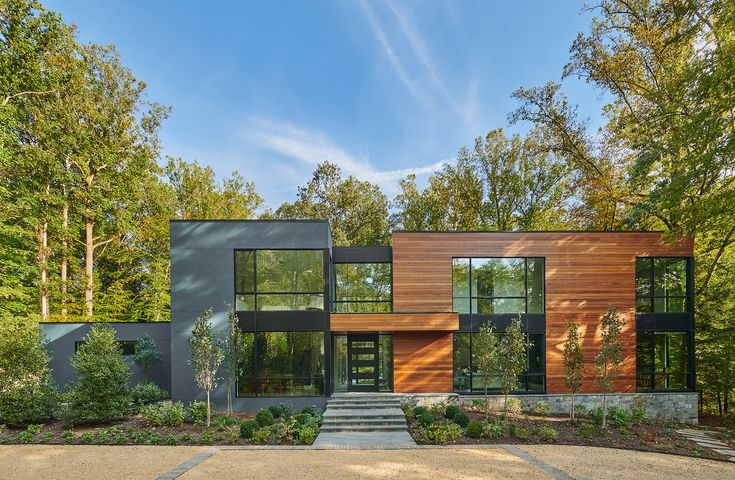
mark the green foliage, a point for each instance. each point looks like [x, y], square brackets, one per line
[198, 413]
[171, 439]
[514, 406]
[620, 417]
[425, 419]
[475, 429]
[511, 357]
[86, 438]
[574, 363]
[147, 354]
[407, 411]
[137, 437]
[586, 430]
[27, 393]
[306, 435]
[492, 430]
[34, 429]
[262, 435]
[541, 408]
[451, 411]
[68, 437]
[264, 417]
[461, 419]
[206, 356]
[418, 411]
[146, 393]
[247, 427]
[485, 349]
[548, 434]
[312, 410]
[101, 391]
[187, 438]
[153, 439]
[164, 414]
[232, 354]
[440, 432]
[276, 410]
[596, 415]
[102, 436]
[25, 437]
[519, 432]
[608, 360]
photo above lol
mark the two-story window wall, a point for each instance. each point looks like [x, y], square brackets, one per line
[664, 339]
[362, 288]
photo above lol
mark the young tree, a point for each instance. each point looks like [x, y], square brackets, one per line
[573, 362]
[101, 392]
[206, 356]
[609, 359]
[232, 353]
[485, 352]
[147, 354]
[511, 358]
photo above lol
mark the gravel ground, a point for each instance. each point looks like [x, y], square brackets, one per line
[599, 463]
[51, 462]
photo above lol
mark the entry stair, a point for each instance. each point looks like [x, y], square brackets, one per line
[364, 412]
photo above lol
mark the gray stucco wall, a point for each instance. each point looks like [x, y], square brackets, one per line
[62, 336]
[202, 277]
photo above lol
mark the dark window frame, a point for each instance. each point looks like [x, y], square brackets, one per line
[651, 297]
[653, 373]
[525, 286]
[336, 302]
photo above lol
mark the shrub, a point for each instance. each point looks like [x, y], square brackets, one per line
[638, 413]
[198, 413]
[586, 430]
[515, 406]
[247, 428]
[276, 410]
[154, 439]
[46, 437]
[264, 417]
[581, 410]
[164, 414]
[101, 392]
[187, 438]
[136, 437]
[519, 432]
[313, 411]
[441, 432]
[596, 415]
[262, 435]
[119, 438]
[306, 435]
[287, 410]
[101, 435]
[425, 419]
[170, 439]
[86, 438]
[548, 434]
[492, 430]
[25, 437]
[418, 411]
[27, 393]
[461, 419]
[474, 429]
[68, 437]
[147, 393]
[620, 417]
[407, 411]
[541, 408]
[451, 411]
[34, 429]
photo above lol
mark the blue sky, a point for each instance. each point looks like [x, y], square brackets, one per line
[271, 88]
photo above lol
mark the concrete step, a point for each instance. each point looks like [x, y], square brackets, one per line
[364, 413]
[364, 421]
[373, 405]
[363, 428]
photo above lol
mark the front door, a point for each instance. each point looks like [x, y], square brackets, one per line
[362, 352]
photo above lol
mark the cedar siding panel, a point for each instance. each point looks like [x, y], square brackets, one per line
[585, 273]
[393, 322]
[422, 362]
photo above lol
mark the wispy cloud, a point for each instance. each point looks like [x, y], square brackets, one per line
[311, 147]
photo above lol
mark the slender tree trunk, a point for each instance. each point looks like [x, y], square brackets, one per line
[604, 410]
[43, 269]
[487, 404]
[506, 404]
[726, 408]
[208, 409]
[89, 267]
[64, 254]
[229, 397]
[572, 405]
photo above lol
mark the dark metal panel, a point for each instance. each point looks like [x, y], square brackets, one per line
[289, 321]
[362, 254]
[246, 320]
[644, 322]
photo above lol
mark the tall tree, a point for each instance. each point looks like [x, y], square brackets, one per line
[573, 362]
[511, 358]
[609, 358]
[485, 353]
[357, 210]
[206, 356]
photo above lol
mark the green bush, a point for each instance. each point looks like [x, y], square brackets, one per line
[262, 435]
[451, 411]
[101, 435]
[147, 393]
[68, 437]
[638, 413]
[28, 393]
[25, 437]
[492, 430]
[276, 410]
[441, 432]
[154, 439]
[474, 429]
[136, 437]
[86, 438]
[287, 410]
[170, 439]
[313, 411]
[247, 428]
[187, 438]
[306, 435]
[541, 408]
[461, 419]
[264, 417]
[198, 413]
[548, 434]
[596, 415]
[519, 432]
[46, 437]
[418, 411]
[515, 406]
[620, 417]
[164, 414]
[425, 419]
[586, 430]
[35, 429]
[101, 392]
[407, 411]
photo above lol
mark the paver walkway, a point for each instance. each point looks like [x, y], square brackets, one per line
[704, 439]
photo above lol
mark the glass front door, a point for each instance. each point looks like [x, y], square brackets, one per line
[362, 363]
[362, 351]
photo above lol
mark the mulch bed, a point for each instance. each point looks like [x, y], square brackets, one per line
[648, 436]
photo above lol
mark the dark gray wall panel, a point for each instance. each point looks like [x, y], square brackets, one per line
[201, 279]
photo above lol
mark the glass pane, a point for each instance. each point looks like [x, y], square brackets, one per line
[244, 302]
[462, 362]
[340, 363]
[362, 281]
[291, 387]
[363, 344]
[366, 370]
[535, 285]
[536, 353]
[670, 277]
[536, 383]
[246, 387]
[290, 271]
[461, 305]
[498, 277]
[362, 307]
[670, 304]
[501, 305]
[363, 357]
[244, 271]
[385, 363]
[247, 342]
[643, 305]
[290, 354]
[461, 277]
[644, 356]
[643, 277]
[644, 381]
[288, 301]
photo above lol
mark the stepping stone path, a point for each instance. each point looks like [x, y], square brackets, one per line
[703, 439]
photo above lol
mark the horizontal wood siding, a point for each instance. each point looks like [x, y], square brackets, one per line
[585, 273]
[393, 322]
[422, 362]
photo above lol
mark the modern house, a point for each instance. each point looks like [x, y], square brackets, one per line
[319, 318]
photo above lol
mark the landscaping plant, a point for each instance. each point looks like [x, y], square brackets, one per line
[264, 417]
[485, 350]
[198, 413]
[511, 358]
[247, 427]
[146, 393]
[609, 358]
[206, 356]
[232, 354]
[164, 414]
[573, 360]
[147, 355]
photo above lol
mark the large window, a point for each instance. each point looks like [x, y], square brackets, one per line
[498, 285]
[662, 360]
[362, 287]
[277, 364]
[127, 347]
[279, 280]
[468, 380]
[662, 285]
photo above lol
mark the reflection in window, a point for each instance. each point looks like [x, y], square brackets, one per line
[468, 380]
[127, 347]
[362, 287]
[661, 284]
[282, 364]
[498, 285]
[662, 360]
[385, 363]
